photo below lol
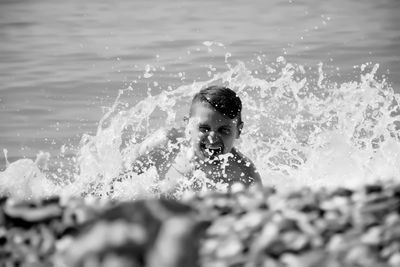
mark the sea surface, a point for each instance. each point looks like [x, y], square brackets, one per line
[63, 64]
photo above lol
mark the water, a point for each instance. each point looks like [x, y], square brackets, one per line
[62, 65]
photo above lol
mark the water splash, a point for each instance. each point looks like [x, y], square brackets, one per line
[300, 129]
[26, 179]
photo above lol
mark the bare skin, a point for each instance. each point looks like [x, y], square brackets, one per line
[206, 145]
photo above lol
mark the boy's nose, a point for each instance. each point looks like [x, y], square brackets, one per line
[212, 137]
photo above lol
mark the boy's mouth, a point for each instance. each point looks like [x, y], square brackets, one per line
[211, 151]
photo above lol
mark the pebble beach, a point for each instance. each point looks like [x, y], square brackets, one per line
[255, 227]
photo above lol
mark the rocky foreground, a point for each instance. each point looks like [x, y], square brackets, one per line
[257, 227]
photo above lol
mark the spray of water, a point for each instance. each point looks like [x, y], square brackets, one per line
[300, 129]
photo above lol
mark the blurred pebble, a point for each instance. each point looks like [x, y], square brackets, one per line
[250, 221]
[221, 226]
[270, 262]
[32, 214]
[118, 261]
[229, 247]
[284, 223]
[209, 246]
[373, 188]
[360, 255]
[392, 219]
[373, 236]
[295, 241]
[390, 249]
[394, 260]
[343, 192]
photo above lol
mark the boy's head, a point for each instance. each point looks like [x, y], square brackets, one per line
[215, 121]
[223, 99]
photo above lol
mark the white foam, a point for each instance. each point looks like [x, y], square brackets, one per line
[300, 129]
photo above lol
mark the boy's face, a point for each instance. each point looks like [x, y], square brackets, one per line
[211, 133]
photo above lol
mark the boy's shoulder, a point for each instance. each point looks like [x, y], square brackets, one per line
[249, 174]
[241, 160]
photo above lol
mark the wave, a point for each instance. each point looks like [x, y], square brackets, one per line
[301, 129]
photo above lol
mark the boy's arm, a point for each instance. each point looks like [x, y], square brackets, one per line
[158, 139]
[252, 174]
[156, 150]
[256, 176]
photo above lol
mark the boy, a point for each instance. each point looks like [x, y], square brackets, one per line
[205, 148]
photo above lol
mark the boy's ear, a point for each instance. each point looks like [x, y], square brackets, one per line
[239, 127]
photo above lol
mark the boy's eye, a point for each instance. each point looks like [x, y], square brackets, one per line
[225, 131]
[204, 129]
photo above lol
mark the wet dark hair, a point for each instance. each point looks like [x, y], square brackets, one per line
[223, 99]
